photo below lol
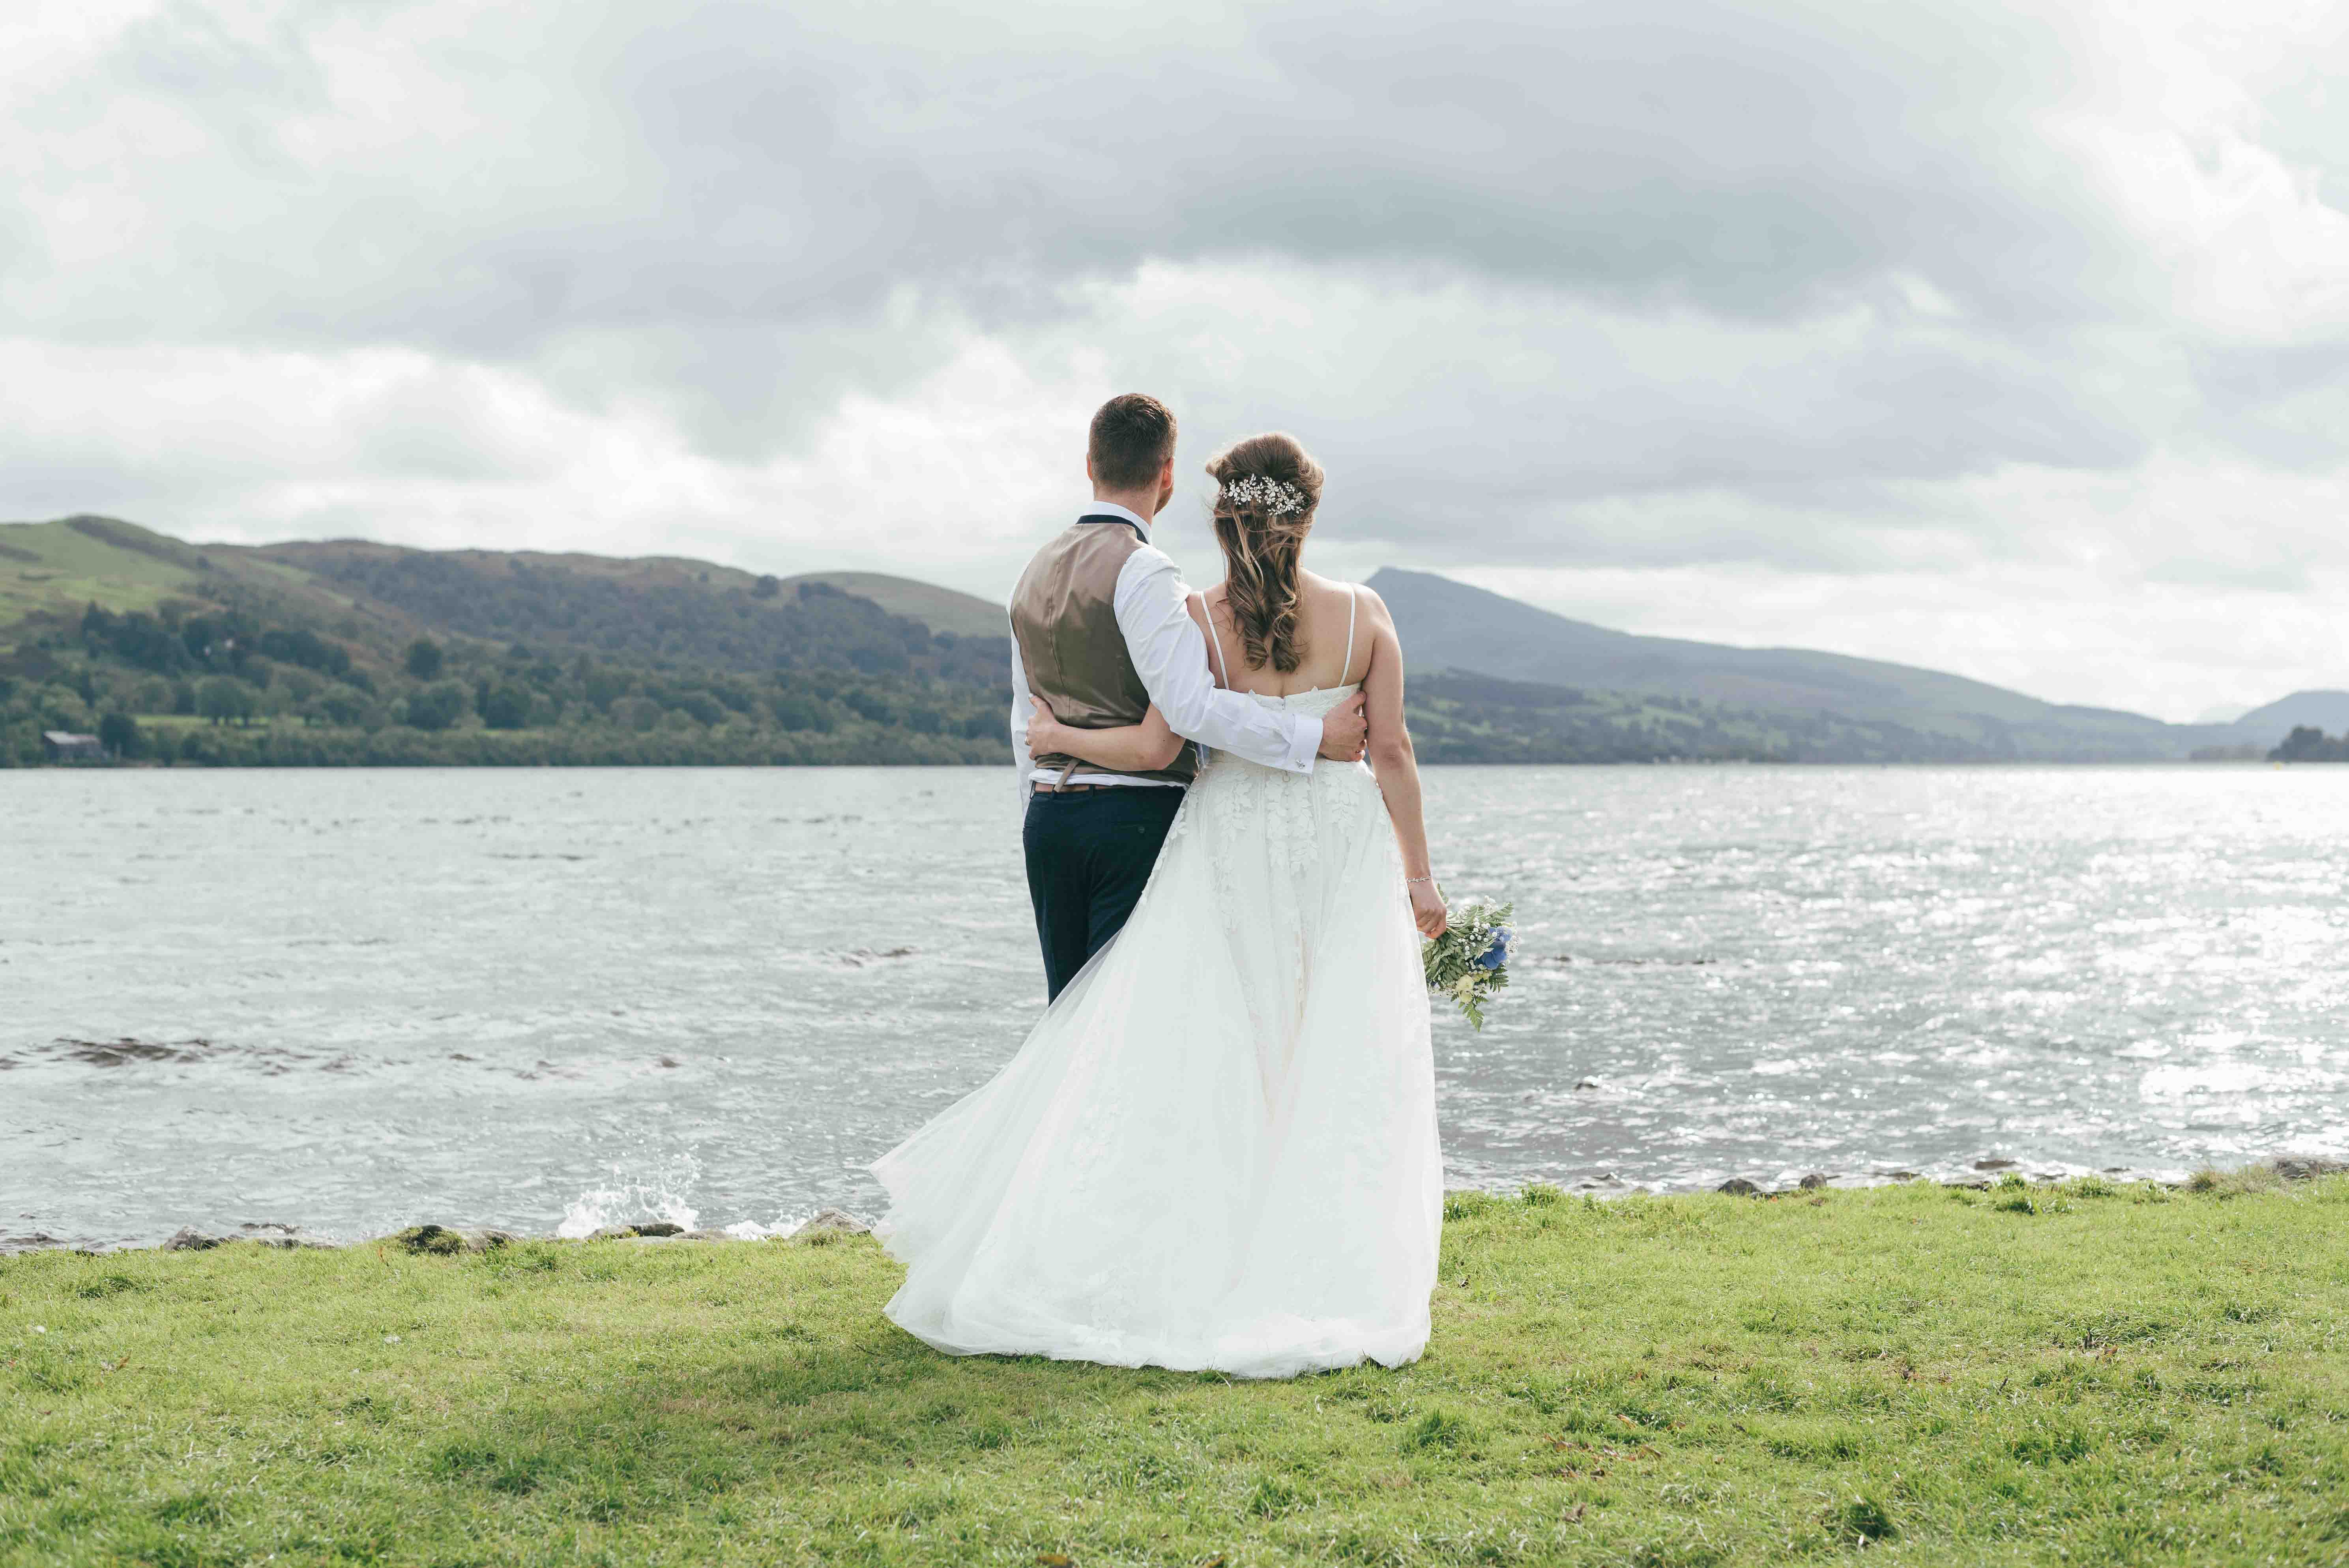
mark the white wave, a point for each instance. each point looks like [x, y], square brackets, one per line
[631, 1199]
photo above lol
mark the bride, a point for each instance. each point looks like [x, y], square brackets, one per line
[1218, 1149]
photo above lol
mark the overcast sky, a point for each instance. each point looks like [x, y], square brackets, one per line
[2013, 341]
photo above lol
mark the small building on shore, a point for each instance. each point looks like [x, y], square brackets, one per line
[64, 745]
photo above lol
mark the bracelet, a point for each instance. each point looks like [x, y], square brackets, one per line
[1407, 881]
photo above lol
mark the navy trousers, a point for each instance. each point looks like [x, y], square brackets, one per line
[1089, 857]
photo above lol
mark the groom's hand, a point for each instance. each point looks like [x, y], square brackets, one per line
[1344, 730]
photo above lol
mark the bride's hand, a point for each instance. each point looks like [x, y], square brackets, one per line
[1047, 736]
[1427, 910]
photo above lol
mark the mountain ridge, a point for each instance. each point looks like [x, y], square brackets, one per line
[44, 567]
[563, 636]
[1448, 625]
[2323, 710]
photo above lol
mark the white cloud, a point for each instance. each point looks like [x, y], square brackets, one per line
[2012, 338]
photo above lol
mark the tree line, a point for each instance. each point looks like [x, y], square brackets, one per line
[212, 686]
[2307, 743]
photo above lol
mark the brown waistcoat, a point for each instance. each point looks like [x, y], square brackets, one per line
[1064, 617]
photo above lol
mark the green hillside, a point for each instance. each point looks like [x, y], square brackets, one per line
[1457, 717]
[320, 654]
[59, 567]
[658, 609]
[939, 609]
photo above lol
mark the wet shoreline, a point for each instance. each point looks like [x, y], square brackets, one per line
[433, 1238]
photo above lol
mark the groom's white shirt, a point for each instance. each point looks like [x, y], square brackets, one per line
[1170, 655]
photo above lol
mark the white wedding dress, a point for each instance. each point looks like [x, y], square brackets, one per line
[1218, 1147]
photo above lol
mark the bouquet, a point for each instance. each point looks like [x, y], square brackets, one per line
[1471, 960]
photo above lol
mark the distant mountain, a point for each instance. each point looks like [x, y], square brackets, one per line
[1458, 718]
[349, 651]
[659, 609]
[57, 568]
[1446, 625]
[2325, 710]
[304, 652]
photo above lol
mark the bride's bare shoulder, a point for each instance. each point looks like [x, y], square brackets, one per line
[1331, 591]
[1316, 588]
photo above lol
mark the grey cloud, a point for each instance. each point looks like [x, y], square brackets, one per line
[732, 170]
[2283, 405]
[744, 215]
[1613, 442]
[1660, 153]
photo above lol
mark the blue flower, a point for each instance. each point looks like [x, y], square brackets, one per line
[1497, 955]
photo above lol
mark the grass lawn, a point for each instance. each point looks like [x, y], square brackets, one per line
[2075, 1374]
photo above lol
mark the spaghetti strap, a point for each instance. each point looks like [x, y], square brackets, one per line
[1215, 643]
[1354, 603]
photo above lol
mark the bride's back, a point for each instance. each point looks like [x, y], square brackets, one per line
[1328, 619]
[1279, 630]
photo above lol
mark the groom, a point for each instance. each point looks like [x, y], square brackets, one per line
[1101, 632]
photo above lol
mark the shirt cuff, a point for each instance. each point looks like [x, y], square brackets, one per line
[1304, 742]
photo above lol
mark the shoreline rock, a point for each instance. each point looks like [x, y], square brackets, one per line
[653, 1231]
[430, 1239]
[834, 1221]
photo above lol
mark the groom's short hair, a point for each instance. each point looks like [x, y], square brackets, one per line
[1132, 437]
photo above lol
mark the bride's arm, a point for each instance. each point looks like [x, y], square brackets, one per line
[1142, 747]
[1397, 766]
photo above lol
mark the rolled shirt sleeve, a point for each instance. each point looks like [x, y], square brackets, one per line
[1023, 708]
[1170, 655]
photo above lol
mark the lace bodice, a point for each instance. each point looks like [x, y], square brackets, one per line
[1313, 703]
[1317, 701]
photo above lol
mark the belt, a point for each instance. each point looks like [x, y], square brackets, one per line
[1062, 786]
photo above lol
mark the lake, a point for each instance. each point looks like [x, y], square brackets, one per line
[553, 999]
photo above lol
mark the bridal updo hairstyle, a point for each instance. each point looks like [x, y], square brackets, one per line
[1262, 539]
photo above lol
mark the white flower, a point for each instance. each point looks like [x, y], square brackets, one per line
[38, 1329]
[391, 1339]
[1277, 497]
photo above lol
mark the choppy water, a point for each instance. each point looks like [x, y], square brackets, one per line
[349, 1000]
